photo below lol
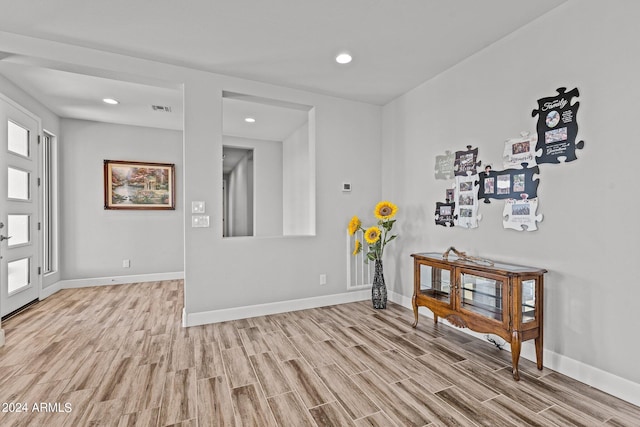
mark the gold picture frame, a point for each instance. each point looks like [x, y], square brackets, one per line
[139, 185]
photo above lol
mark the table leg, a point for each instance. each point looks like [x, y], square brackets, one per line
[539, 349]
[516, 343]
[414, 303]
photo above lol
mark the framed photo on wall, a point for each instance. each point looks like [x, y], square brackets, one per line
[139, 185]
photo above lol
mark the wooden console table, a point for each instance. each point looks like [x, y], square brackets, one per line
[494, 298]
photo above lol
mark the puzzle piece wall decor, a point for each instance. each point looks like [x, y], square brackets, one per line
[466, 162]
[521, 214]
[557, 127]
[553, 142]
[444, 165]
[450, 195]
[445, 214]
[521, 150]
[466, 193]
[508, 183]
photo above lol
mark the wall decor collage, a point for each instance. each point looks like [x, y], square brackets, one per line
[517, 182]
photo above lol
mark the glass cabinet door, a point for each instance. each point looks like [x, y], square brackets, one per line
[482, 295]
[528, 301]
[435, 283]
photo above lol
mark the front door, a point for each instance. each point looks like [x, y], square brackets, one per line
[19, 207]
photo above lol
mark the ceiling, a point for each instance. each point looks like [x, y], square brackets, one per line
[396, 45]
[274, 120]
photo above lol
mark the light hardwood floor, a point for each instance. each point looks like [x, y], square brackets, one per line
[118, 356]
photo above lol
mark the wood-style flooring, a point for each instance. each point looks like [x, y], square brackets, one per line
[118, 356]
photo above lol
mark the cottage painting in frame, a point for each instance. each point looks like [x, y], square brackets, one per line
[139, 185]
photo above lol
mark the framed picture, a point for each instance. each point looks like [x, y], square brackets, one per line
[508, 183]
[139, 185]
[557, 127]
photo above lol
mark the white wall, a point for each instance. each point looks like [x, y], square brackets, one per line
[95, 240]
[588, 238]
[227, 273]
[296, 181]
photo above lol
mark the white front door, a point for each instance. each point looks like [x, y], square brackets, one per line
[19, 207]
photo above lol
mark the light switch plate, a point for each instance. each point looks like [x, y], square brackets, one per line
[198, 221]
[197, 207]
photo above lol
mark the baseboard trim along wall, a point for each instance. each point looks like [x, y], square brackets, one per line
[597, 378]
[235, 313]
[104, 281]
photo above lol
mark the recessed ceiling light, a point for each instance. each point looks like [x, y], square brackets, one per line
[250, 120]
[343, 58]
[110, 101]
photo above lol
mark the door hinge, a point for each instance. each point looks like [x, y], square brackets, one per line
[39, 225]
[39, 139]
[38, 182]
[39, 271]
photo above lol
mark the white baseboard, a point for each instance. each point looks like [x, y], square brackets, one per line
[597, 378]
[104, 281]
[50, 290]
[235, 313]
[117, 280]
[1, 337]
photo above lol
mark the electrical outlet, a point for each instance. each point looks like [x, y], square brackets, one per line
[323, 279]
[126, 263]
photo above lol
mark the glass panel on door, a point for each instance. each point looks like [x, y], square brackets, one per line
[18, 229]
[17, 139]
[18, 184]
[18, 275]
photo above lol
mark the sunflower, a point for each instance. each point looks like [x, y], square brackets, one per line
[358, 247]
[385, 210]
[372, 235]
[354, 225]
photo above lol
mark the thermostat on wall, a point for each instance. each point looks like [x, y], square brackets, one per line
[346, 186]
